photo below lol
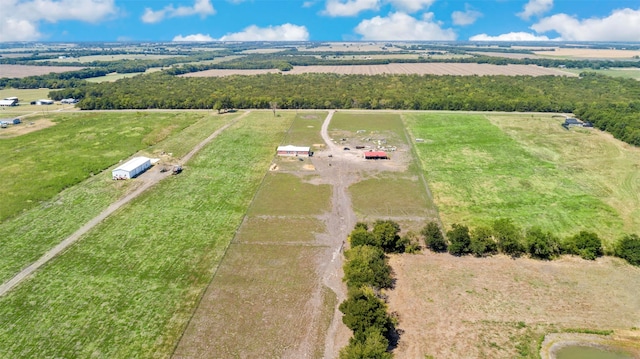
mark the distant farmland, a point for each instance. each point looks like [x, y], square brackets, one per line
[20, 71]
[402, 69]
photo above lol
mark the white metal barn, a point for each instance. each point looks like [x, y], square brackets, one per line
[291, 150]
[131, 168]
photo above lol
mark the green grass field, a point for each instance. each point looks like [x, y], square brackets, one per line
[528, 168]
[40, 164]
[129, 287]
[25, 96]
[630, 73]
[30, 233]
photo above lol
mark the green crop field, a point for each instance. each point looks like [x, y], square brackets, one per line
[528, 168]
[40, 164]
[129, 287]
[25, 237]
[631, 73]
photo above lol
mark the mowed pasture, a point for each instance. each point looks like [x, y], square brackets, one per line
[129, 287]
[20, 71]
[529, 169]
[30, 233]
[460, 69]
[267, 299]
[40, 164]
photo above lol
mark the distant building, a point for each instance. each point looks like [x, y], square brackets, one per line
[131, 168]
[70, 101]
[44, 102]
[291, 150]
[376, 155]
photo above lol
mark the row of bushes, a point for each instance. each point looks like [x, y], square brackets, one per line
[503, 236]
[366, 271]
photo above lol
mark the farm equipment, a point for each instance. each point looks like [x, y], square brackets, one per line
[176, 170]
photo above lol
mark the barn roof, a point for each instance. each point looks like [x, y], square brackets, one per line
[132, 164]
[292, 148]
[375, 154]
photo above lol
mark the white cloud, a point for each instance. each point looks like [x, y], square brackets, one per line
[194, 37]
[621, 25]
[400, 26]
[308, 3]
[285, 32]
[349, 7]
[19, 20]
[535, 7]
[411, 5]
[512, 36]
[200, 7]
[467, 17]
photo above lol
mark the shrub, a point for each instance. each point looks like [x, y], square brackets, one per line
[482, 242]
[361, 237]
[542, 245]
[459, 240]
[433, 237]
[411, 243]
[508, 237]
[629, 249]
[364, 310]
[387, 233]
[366, 266]
[374, 346]
[585, 244]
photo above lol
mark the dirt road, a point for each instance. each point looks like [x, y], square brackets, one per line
[149, 179]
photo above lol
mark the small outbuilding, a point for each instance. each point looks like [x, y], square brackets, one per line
[9, 102]
[291, 150]
[131, 168]
[376, 155]
[44, 102]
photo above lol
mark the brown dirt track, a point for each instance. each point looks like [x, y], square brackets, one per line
[20, 71]
[402, 69]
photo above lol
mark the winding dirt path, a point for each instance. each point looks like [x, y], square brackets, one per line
[337, 172]
[149, 179]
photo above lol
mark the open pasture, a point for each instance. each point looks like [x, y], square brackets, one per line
[530, 169]
[130, 286]
[497, 307]
[20, 71]
[585, 53]
[25, 96]
[30, 233]
[106, 58]
[41, 164]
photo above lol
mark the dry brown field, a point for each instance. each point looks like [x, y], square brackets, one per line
[590, 53]
[498, 307]
[402, 69]
[507, 55]
[20, 71]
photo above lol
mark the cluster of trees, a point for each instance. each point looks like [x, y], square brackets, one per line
[64, 80]
[366, 271]
[611, 104]
[503, 236]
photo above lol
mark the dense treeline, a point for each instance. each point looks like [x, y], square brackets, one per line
[366, 271]
[503, 236]
[611, 104]
[64, 80]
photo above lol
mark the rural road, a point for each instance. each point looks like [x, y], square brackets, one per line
[149, 179]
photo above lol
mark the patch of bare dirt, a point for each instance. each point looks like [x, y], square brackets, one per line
[25, 127]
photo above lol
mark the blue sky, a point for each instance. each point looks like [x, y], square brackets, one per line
[319, 20]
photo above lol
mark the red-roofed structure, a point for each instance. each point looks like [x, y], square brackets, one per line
[376, 155]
